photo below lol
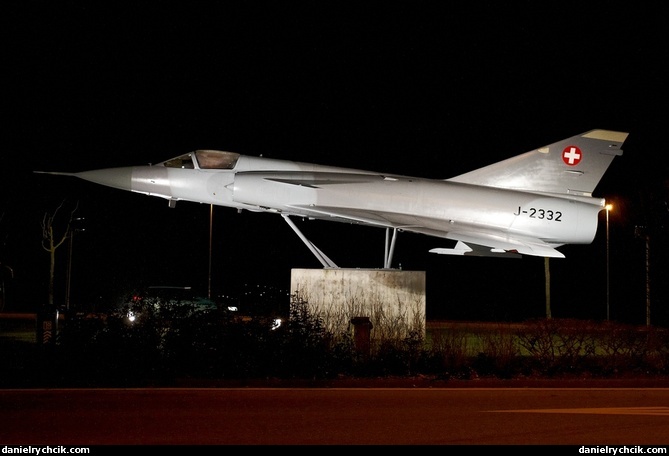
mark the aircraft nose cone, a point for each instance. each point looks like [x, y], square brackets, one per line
[120, 178]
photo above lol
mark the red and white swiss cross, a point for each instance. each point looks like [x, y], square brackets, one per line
[572, 155]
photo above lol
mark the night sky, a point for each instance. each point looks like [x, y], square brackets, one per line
[430, 89]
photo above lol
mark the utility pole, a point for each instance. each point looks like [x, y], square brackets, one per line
[642, 232]
[647, 280]
[211, 225]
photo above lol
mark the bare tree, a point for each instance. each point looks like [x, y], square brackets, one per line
[51, 241]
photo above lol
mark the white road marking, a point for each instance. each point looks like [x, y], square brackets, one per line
[657, 411]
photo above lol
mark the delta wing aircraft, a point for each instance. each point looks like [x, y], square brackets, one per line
[529, 204]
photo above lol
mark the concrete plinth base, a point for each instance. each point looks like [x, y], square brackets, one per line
[393, 300]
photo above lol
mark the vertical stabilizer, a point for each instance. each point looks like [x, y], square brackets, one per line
[572, 166]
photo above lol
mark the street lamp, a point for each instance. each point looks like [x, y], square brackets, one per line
[608, 208]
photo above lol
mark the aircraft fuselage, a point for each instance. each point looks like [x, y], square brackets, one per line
[389, 200]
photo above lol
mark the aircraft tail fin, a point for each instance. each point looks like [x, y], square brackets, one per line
[571, 166]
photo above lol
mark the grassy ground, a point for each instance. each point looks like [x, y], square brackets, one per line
[25, 363]
[22, 328]
[18, 327]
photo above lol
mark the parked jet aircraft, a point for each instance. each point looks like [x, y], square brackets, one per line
[529, 204]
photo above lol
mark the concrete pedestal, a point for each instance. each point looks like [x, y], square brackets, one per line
[393, 300]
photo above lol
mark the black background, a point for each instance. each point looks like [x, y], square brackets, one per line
[432, 89]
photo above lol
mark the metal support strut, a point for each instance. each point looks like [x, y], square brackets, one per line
[325, 261]
[388, 258]
[328, 263]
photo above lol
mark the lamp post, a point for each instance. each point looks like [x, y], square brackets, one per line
[211, 224]
[69, 261]
[608, 208]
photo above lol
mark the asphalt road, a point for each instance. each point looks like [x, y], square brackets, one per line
[336, 416]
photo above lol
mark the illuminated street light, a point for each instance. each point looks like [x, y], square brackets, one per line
[608, 208]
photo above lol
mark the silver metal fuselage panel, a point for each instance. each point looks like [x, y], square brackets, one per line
[435, 207]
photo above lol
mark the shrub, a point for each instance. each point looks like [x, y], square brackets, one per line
[168, 342]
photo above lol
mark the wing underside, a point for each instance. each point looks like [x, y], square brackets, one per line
[470, 242]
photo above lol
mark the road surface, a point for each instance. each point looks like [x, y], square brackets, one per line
[341, 416]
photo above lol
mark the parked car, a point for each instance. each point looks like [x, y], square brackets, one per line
[180, 301]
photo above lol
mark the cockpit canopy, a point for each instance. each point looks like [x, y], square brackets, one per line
[203, 159]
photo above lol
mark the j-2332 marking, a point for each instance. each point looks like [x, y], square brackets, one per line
[541, 214]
